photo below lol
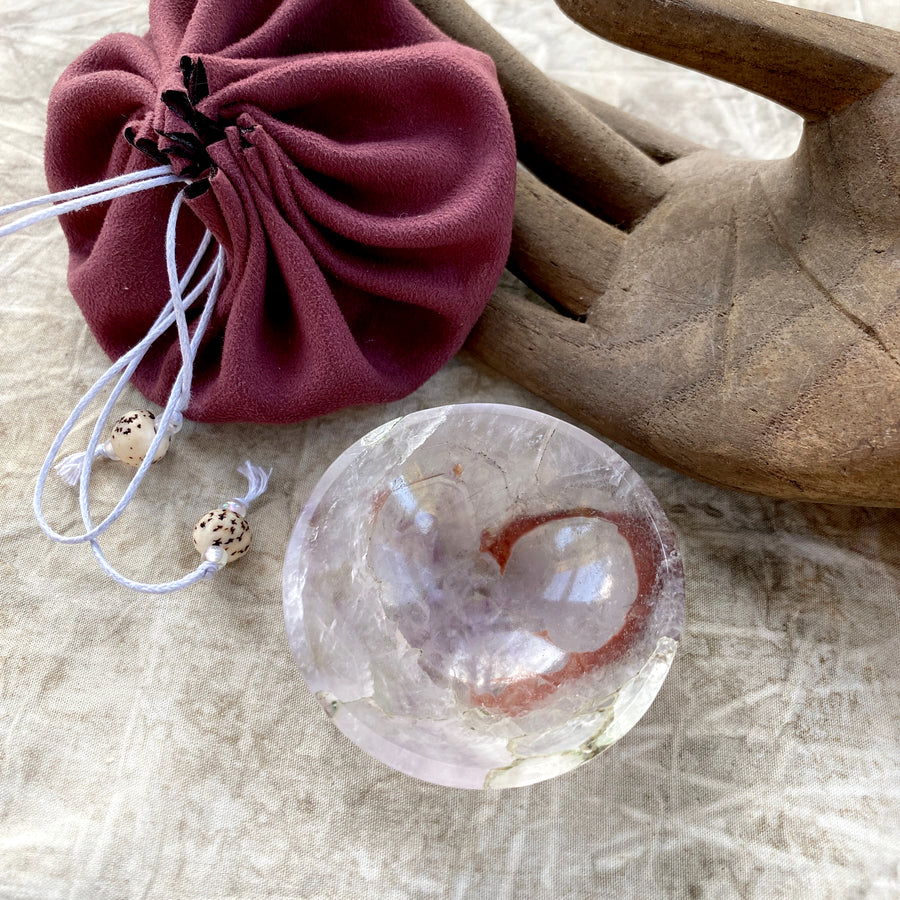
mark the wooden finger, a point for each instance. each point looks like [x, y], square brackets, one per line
[556, 137]
[810, 62]
[548, 354]
[562, 252]
[656, 142]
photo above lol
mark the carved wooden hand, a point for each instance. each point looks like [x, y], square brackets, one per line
[736, 320]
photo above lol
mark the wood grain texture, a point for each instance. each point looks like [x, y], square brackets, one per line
[563, 252]
[660, 145]
[570, 149]
[746, 328]
[812, 63]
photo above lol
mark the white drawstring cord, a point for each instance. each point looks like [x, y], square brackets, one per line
[178, 400]
[258, 480]
[88, 189]
[78, 466]
[57, 209]
[126, 365]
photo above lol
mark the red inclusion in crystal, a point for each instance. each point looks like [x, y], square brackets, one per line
[522, 695]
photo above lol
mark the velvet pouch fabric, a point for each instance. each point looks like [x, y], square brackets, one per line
[357, 166]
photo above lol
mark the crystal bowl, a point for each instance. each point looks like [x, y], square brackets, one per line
[482, 596]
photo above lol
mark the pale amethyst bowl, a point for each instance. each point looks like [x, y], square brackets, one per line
[483, 596]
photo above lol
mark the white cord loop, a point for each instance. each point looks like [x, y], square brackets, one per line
[76, 469]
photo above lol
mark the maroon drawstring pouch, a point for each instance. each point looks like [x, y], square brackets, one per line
[274, 209]
[355, 164]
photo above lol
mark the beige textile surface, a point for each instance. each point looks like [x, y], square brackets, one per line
[168, 748]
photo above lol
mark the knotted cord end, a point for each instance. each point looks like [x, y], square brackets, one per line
[257, 482]
[69, 469]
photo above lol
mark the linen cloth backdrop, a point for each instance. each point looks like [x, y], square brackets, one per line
[168, 748]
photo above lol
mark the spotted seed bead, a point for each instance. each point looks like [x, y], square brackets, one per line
[132, 436]
[223, 528]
